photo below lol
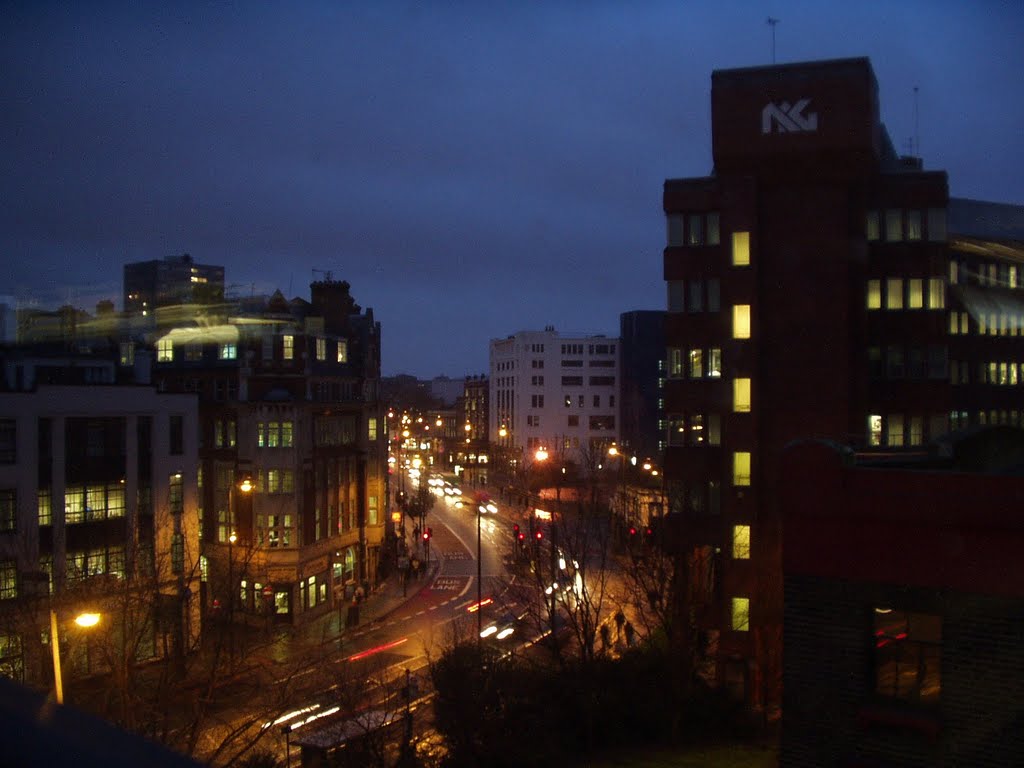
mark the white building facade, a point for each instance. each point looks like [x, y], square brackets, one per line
[554, 392]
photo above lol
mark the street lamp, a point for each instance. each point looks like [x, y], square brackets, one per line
[614, 451]
[232, 538]
[84, 620]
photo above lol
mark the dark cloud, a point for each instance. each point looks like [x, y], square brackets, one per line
[472, 170]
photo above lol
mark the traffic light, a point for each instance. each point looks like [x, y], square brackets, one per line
[427, 534]
[538, 534]
[515, 528]
[632, 533]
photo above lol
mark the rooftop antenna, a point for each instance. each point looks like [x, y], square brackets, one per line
[773, 22]
[917, 135]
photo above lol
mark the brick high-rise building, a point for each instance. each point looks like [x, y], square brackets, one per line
[814, 291]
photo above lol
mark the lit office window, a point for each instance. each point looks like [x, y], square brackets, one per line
[741, 395]
[874, 429]
[894, 293]
[696, 363]
[894, 423]
[741, 321]
[741, 542]
[165, 351]
[915, 293]
[714, 363]
[936, 293]
[675, 362]
[740, 249]
[874, 294]
[740, 614]
[741, 468]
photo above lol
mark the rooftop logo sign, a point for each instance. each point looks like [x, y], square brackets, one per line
[788, 119]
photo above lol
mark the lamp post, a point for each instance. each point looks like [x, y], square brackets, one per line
[84, 620]
[232, 538]
[614, 451]
[479, 570]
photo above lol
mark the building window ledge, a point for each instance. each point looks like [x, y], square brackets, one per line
[898, 716]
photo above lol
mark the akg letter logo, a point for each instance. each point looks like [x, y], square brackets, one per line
[788, 119]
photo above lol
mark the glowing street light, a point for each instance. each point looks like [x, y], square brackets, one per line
[85, 620]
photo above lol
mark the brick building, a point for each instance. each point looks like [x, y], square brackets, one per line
[814, 291]
[293, 450]
[904, 605]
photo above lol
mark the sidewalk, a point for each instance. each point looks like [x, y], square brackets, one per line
[389, 596]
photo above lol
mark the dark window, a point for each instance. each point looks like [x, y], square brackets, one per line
[714, 291]
[572, 381]
[8, 441]
[602, 381]
[895, 367]
[8, 510]
[875, 362]
[177, 436]
[907, 655]
[695, 235]
[696, 298]
[178, 553]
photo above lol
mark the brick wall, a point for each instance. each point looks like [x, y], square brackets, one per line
[831, 715]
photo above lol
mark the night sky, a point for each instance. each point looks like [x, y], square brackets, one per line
[472, 169]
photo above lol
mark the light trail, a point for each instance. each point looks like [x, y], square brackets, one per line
[378, 649]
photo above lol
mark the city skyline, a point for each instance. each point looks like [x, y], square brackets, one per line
[471, 174]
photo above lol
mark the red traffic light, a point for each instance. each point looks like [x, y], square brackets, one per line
[427, 534]
[632, 530]
[539, 534]
[515, 527]
[522, 536]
